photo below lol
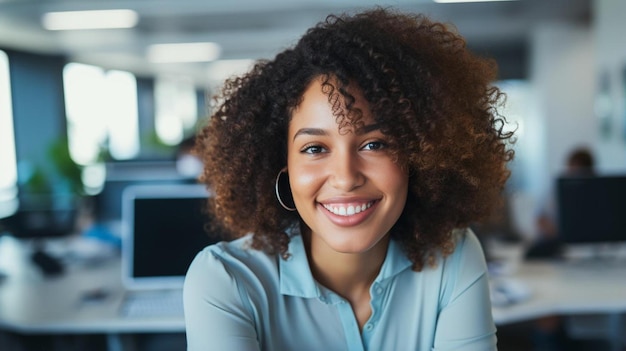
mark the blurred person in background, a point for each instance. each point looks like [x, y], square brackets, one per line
[580, 163]
[188, 164]
[548, 332]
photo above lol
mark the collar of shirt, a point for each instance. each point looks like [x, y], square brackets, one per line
[296, 278]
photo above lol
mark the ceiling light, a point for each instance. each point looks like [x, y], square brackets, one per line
[183, 52]
[99, 19]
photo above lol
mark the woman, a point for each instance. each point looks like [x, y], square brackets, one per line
[347, 169]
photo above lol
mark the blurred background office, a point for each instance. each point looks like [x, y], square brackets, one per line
[92, 102]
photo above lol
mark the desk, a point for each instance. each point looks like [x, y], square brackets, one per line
[32, 304]
[57, 305]
[571, 288]
[567, 288]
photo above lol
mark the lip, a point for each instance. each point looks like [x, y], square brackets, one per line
[350, 220]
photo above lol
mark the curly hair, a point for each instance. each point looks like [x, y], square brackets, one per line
[431, 96]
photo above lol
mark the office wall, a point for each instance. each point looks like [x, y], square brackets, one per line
[610, 48]
[558, 115]
[38, 108]
[562, 75]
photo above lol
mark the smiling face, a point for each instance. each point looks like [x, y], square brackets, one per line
[344, 183]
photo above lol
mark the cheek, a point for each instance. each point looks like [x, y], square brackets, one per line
[385, 169]
[401, 181]
[303, 180]
[395, 182]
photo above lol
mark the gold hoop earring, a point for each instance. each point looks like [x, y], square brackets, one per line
[277, 189]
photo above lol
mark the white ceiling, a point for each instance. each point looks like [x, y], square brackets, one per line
[252, 29]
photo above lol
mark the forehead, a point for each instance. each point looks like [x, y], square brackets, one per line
[322, 101]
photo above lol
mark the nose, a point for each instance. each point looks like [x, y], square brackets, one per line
[346, 171]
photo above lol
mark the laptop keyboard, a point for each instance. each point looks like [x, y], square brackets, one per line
[145, 304]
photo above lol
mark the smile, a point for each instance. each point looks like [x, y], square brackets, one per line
[348, 210]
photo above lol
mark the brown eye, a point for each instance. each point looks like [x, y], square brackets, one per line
[374, 145]
[313, 149]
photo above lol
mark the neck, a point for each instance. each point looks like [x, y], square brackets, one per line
[348, 274]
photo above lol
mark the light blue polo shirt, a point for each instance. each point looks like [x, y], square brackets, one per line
[237, 298]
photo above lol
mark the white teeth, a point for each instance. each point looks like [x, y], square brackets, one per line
[348, 211]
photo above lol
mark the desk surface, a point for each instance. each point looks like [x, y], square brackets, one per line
[567, 288]
[31, 303]
[58, 304]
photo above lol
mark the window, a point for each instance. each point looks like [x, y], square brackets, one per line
[8, 165]
[102, 113]
[176, 109]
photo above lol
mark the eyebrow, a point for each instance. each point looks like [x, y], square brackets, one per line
[309, 131]
[321, 132]
[368, 128]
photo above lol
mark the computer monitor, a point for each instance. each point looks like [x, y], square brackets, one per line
[592, 209]
[164, 227]
[42, 216]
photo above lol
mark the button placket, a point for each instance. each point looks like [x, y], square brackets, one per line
[377, 292]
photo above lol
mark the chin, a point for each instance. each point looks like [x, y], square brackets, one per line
[354, 245]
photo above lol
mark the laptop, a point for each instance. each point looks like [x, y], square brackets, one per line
[163, 228]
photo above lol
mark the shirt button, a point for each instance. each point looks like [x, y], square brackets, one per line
[369, 327]
[379, 290]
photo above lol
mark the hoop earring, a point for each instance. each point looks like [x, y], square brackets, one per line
[276, 188]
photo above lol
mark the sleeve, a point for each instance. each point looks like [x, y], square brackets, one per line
[216, 316]
[465, 321]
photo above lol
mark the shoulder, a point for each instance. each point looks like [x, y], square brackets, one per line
[468, 255]
[226, 267]
[235, 258]
[467, 245]
[226, 286]
[466, 265]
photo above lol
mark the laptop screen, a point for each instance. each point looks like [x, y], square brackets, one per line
[164, 227]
